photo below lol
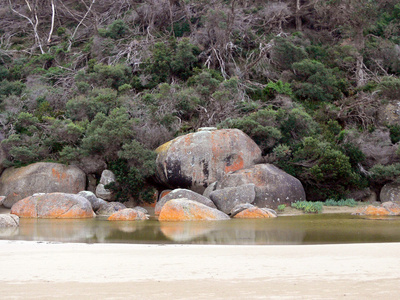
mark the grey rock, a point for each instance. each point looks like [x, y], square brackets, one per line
[19, 183]
[141, 209]
[183, 193]
[272, 185]
[2, 198]
[103, 193]
[270, 210]
[9, 220]
[107, 177]
[211, 188]
[195, 160]
[226, 199]
[390, 192]
[94, 201]
[108, 208]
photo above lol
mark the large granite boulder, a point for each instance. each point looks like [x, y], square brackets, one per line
[53, 205]
[272, 185]
[9, 220]
[19, 183]
[94, 201]
[390, 192]
[226, 199]
[128, 214]
[108, 208]
[187, 210]
[182, 193]
[198, 159]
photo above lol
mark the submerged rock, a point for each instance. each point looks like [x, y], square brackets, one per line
[187, 210]
[128, 214]
[53, 205]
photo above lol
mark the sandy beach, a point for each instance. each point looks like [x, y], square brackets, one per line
[34, 270]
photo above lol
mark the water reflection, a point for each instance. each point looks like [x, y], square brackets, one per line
[282, 230]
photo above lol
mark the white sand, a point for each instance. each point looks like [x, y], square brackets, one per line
[32, 270]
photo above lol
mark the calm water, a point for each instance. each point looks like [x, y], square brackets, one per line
[305, 229]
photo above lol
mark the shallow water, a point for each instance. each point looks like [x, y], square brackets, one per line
[304, 229]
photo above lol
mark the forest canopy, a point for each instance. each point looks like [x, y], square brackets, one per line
[312, 82]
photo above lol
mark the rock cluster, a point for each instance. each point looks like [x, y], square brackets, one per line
[385, 209]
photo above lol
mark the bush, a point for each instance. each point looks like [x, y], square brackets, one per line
[308, 206]
[390, 88]
[285, 53]
[341, 202]
[115, 30]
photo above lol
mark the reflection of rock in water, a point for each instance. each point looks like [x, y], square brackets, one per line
[230, 232]
[71, 230]
[186, 231]
[128, 226]
[256, 237]
[9, 232]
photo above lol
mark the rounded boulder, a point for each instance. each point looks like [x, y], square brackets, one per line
[195, 160]
[53, 206]
[187, 210]
[19, 183]
[272, 185]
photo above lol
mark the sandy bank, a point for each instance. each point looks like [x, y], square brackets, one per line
[117, 271]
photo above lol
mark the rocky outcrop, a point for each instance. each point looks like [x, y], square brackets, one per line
[390, 192]
[9, 220]
[107, 177]
[272, 185]
[182, 193]
[19, 183]
[198, 159]
[386, 209]
[94, 201]
[128, 214]
[226, 199]
[108, 208]
[376, 146]
[187, 210]
[53, 205]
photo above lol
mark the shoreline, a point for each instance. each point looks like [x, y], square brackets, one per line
[115, 271]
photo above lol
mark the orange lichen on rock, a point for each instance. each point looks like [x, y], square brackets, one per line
[53, 205]
[128, 214]
[187, 210]
[254, 213]
[376, 211]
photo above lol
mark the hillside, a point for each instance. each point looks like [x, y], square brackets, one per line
[315, 83]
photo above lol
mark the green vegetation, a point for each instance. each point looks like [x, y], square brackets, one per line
[112, 82]
[308, 206]
[281, 207]
[341, 202]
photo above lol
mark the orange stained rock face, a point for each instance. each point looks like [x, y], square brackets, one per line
[50, 206]
[58, 175]
[173, 211]
[237, 164]
[252, 213]
[376, 211]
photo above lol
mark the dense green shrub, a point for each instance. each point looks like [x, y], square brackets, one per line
[315, 82]
[308, 206]
[389, 88]
[342, 202]
[383, 174]
[285, 53]
[115, 30]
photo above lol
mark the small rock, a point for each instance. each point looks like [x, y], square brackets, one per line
[94, 201]
[239, 208]
[107, 177]
[108, 208]
[182, 193]
[128, 214]
[226, 199]
[254, 213]
[104, 193]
